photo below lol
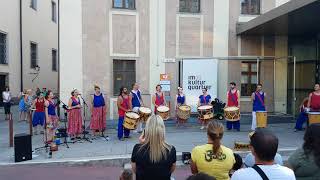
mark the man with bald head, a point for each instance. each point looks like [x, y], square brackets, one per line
[264, 146]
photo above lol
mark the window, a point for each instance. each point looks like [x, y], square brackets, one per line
[125, 4]
[190, 6]
[54, 60]
[33, 4]
[53, 11]
[34, 54]
[250, 7]
[249, 77]
[3, 48]
[124, 74]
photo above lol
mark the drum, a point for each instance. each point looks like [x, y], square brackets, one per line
[314, 117]
[241, 146]
[144, 113]
[262, 119]
[205, 112]
[184, 112]
[130, 121]
[232, 113]
[163, 111]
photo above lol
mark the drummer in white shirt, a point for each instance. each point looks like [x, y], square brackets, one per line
[137, 102]
[258, 104]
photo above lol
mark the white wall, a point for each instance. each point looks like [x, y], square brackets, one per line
[280, 2]
[70, 48]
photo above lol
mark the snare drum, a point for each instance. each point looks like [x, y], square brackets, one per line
[241, 146]
[314, 117]
[232, 113]
[184, 112]
[262, 119]
[205, 112]
[144, 113]
[130, 121]
[163, 111]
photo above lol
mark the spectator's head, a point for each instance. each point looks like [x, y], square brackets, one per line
[126, 175]
[264, 145]
[312, 142]
[7, 88]
[29, 91]
[155, 138]
[317, 87]
[200, 176]
[233, 85]
[215, 133]
[49, 94]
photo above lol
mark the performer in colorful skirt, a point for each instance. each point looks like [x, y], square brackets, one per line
[180, 100]
[303, 116]
[233, 100]
[258, 104]
[98, 112]
[74, 116]
[137, 102]
[39, 115]
[204, 99]
[314, 99]
[52, 120]
[124, 105]
[158, 99]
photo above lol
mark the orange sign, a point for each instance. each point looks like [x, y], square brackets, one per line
[164, 77]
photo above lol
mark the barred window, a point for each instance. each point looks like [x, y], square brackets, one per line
[250, 7]
[124, 74]
[3, 48]
[249, 75]
[54, 60]
[190, 6]
[33, 54]
[124, 4]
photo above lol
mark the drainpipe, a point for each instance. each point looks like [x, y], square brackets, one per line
[58, 52]
[21, 49]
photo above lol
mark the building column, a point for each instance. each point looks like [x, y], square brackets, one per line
[220, 44]
[70, 65]
[157, 24]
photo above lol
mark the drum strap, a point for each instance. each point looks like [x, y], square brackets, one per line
[233, 98]
[260, 172]
[260, 98]
[160, 98]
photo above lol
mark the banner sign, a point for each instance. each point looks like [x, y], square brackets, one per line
[198, 74]
[165, 82]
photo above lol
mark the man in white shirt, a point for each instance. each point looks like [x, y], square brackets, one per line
[264, 146]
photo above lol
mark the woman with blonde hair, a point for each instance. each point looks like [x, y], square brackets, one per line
[213, 158]
[153, 158]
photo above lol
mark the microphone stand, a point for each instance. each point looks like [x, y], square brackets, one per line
[102, 130]
[84, 121]
[64, 133]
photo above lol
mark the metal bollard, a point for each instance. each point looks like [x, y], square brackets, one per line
[30, 123]
[10, 130]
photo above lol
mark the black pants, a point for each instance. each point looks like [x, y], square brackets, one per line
[7, 106]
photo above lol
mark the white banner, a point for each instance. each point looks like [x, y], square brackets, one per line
[198, 74]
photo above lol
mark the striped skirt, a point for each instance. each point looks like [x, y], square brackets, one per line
[74, 122]
[98, 119]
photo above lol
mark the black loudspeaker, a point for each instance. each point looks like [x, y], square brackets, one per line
[22, 147]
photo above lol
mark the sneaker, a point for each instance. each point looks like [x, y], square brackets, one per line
[127, 137]
[202, 127]
[121, 139]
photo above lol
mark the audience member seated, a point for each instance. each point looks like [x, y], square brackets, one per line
[264, 146]
[153, 158]
[200, 176]
[213, 158]
[249, 160]
[305, 161]
[126, 175]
